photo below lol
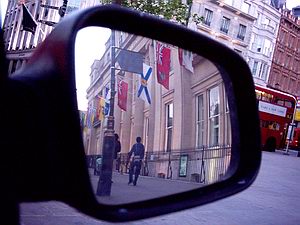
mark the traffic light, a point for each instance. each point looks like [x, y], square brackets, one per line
[63, 8]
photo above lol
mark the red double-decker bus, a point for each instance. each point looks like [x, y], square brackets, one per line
[295, 143]
[276, 112]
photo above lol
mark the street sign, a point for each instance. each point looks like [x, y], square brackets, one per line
[290, 132]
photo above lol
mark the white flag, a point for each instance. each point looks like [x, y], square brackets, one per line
[187, 60]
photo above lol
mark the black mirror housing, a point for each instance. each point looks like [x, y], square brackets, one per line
[52, 137]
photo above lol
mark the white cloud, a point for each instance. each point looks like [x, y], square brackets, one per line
[3, 7]
[292, 3]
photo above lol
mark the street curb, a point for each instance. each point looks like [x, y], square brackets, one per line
[292, 153]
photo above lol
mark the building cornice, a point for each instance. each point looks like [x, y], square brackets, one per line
[220, 35]
[233, 10]
[19, 54]
[287, 16]
[269, 9]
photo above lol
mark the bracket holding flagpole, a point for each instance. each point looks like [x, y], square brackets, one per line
[61, 11]
[49, 6]
[48, 23]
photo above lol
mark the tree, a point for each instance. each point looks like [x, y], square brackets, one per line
[171, 10]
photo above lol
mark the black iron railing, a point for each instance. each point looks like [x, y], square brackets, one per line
[204, 165]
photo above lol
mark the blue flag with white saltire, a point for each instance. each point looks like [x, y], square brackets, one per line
[143, 91]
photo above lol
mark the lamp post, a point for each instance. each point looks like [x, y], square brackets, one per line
[105, 178]
[290, 131]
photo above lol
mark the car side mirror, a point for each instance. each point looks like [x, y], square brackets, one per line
[57, 139]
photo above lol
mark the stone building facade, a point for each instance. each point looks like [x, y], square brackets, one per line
[186, 118]
[230, 22]
[263, 39]
[248, 27]
[19, 43]
[285, 70]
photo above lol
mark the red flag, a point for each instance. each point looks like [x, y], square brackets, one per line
[122, 94]
[163, 64]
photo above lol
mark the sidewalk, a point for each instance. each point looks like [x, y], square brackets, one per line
[146, 188]
[272, 199]
[291, 152]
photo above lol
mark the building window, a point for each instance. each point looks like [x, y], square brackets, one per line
[257, 44]
[254, 68]
[46, 10]
[267, 47]
[225, 25]
[227, 123]
[169, 126]
[279, 56]
[207, 17]
[246, 7]
[288, 60]
[260, 70]
[269, 25]
[242, 32]
[258, 20]
[214, 116]
[263, 70]
[200, 122]
[267, 21]
[293, 38]
[297, 66]
[283, 36]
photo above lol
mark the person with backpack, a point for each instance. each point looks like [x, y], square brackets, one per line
[137, 153]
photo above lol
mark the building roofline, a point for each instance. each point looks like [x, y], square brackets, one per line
[233, 10]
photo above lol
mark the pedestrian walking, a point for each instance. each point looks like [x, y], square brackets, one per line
[137, 151]
[123, 163]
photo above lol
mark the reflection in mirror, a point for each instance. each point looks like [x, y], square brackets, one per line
[170, 116]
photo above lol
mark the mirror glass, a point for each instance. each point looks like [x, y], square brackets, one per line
[163, 108]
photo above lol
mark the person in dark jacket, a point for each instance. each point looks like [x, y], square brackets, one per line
[137, 151]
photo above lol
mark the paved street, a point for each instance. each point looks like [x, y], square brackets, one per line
[147, 188]
[274, 199]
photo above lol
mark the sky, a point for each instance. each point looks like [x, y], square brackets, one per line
[292, 3]
[87, 48]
